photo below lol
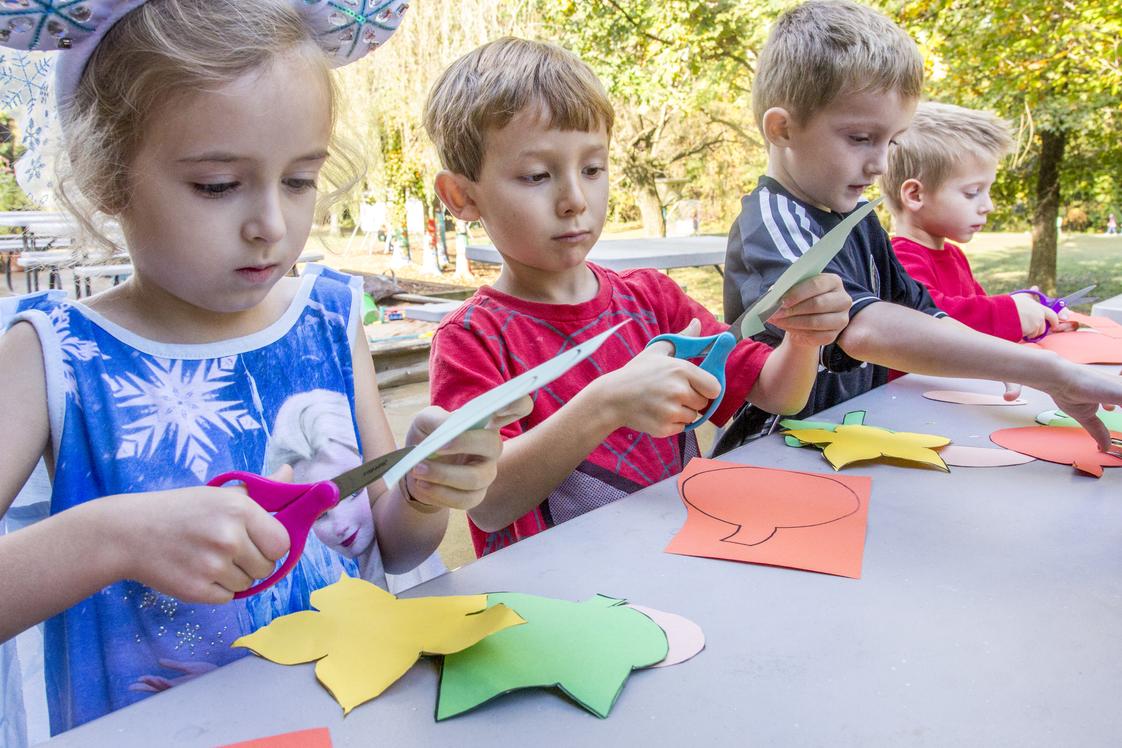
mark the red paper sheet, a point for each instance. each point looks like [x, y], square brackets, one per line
[1084, 347]
[776, 517]
[1067, 446]
[317, 737]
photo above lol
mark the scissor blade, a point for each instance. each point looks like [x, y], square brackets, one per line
[1075, 298]
[356, 479]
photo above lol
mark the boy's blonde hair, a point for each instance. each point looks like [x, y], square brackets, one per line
[824, 49]
[153, 58]
[487, 87]
[940, 137]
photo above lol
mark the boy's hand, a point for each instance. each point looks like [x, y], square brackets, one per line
[656, 393]
[458, 476]
[814, 312]
[1033, 315]
[201, 544]
[1080, 392]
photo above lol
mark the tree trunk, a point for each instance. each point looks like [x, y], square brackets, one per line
[650, 209]
[1042, 267]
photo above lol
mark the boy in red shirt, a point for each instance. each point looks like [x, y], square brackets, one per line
[937, 186]
[523, 129]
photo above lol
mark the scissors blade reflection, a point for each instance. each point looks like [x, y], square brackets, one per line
[356, 479]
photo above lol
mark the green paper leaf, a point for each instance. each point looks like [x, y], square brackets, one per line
[587, 649]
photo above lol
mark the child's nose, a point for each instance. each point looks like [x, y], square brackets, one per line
[571, 201]
[266, 221]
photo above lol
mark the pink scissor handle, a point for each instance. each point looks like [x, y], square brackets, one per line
[296, 505]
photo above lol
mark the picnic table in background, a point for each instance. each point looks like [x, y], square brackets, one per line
[986, 614]
[628, 254]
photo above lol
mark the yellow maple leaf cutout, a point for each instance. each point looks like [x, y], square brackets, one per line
[363, 638]
[853, 443]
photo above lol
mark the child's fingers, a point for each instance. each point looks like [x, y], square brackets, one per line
[1050, 316]
[819, 285]
[704, 385]
[1012, 391]
[267, 536]
[477, 444]
[516, 411]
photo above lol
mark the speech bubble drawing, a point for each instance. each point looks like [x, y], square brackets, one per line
[798, 500]
[777, 517]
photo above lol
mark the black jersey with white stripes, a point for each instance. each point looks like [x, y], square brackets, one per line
[773, 230]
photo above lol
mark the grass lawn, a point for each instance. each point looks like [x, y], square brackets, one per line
[1000, 262]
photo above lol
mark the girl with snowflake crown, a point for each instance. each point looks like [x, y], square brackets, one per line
[202, 126]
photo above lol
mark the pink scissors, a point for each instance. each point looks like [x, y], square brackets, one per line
[299, 505]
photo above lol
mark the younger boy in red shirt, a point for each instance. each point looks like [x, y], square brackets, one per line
[937, 187]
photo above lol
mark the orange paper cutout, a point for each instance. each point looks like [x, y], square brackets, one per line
[317, 737]
[775, 517]
[1105, 325]
[1067, 446]
[1084, 347]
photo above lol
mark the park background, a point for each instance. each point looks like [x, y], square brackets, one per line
[686, 148]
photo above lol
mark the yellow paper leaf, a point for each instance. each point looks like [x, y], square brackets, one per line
[363, 638]
[854, 443]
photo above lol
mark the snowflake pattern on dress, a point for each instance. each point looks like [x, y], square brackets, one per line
[131, 415]
[178, 399]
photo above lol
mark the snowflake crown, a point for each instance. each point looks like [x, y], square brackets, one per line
[345, 29]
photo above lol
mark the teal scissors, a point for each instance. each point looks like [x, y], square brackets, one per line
[716, 348]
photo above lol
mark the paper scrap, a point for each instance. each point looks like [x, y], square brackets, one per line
[477, 412]
[1112, 419]
[684, 637]
[970, 398]
[586, 649]
[959, 456]
[775, 517]
[852, 441]
[812, 262]
[363, 638]
[317, 737]
[1073, 447]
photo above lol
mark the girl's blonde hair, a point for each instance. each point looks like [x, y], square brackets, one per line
[151, 61]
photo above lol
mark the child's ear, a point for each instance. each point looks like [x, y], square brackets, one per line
[777, 126]
[911, 194]
[454, 190]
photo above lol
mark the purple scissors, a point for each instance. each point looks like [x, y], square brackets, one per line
[1057, 304]
[298, 505]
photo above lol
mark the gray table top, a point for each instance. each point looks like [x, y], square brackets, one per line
[625, 254]
[988, 614]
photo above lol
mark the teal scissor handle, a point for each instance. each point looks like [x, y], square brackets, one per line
[715, 348]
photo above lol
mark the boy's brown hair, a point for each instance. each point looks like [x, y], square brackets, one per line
[824, 49]
[940, 137]
[487, 87]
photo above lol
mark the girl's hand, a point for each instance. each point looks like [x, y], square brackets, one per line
[200, 544]
[814, 312]
[458, 476]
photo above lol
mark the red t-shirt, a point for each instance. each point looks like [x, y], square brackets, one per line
[495, 337]
[947, 276]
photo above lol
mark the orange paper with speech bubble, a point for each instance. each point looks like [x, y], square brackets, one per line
[315, 738]
[775, 517]
[1066, 446]
[1105, 325]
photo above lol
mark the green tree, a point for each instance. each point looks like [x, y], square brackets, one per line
[1052, 64]
[679, 74]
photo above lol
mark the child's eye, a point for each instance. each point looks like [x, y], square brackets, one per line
[535, 178]
[859, 138]
[594, 171]
[972, 195]
[300, 185]
[217, 189]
